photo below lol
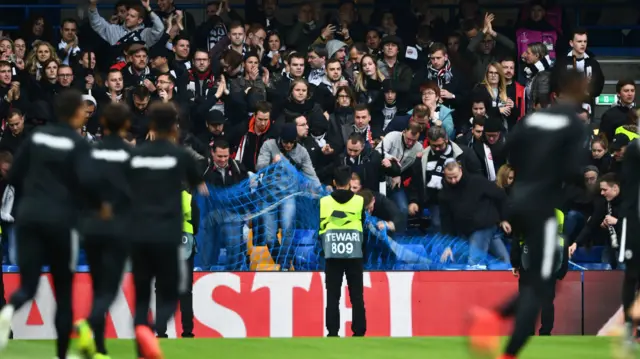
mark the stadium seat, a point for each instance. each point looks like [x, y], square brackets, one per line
[499, 266]
[46, 269]
[82, 257]
[260, 256]
[595, 266]
[217, 268]
[82, 269]
[223, 256]
[264, 267]
[410, 267]
[417, 249]
[10, 269]
[588, 255]
[197, 269]
[305, 258]
[304, 237]
[455, 267]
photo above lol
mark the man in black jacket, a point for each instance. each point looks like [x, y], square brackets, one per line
[105, 228]
[48, 170]
[618, 115]
[159, 169]
[367, 163]
[629, 243]
[322, 157]
[472, 207]
[605, 218]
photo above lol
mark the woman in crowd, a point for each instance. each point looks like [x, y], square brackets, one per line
[439, 114]
[42, 51]
[299, 103]
[494, 87]
[272, 58]
[600, 156]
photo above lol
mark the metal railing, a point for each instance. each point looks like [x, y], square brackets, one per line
[576, 8]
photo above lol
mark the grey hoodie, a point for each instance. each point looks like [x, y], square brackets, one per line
[298, 154]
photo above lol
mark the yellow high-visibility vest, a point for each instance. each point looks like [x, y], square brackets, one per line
[187, 227]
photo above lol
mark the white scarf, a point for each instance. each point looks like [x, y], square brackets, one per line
[488, 159]
[74, 50]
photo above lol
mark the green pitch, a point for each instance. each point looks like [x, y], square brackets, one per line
[334, 348]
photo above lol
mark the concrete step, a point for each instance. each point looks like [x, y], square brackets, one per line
[608, 89]
[618, 68]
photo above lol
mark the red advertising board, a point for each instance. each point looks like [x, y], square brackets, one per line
[268, 304]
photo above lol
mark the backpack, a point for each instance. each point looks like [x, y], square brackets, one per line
[524, 37]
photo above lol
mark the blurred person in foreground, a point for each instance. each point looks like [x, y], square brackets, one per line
[49, 169]
[535, 195]
[158, 171]
[629, 242]
[105, 228]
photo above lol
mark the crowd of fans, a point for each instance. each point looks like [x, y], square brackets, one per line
[395, 99]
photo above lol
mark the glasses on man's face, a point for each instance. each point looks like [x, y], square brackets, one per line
[65, 76]
[428, 93]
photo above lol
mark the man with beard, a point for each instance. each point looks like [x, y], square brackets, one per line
[515, 91]
[215, 128]
[473, 207]
[489, 147]
[322, 157]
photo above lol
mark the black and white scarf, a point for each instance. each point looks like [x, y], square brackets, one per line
[316, 76]
[612, 231]
[544, 64]
[579, 64]
[442, 76]
[216, 34]
[435, 168]
[389, 113]
[620, 104]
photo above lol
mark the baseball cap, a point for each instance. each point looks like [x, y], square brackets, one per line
[620, 140]
[215, 117]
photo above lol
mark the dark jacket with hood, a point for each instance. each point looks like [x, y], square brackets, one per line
[474, 203]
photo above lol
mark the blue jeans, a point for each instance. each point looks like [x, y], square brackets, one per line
[399, 197]
[574, 221]
[436, 225]
[484, 240]
[282, 252]
[226, 235]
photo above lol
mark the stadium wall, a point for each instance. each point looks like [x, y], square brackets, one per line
[399, 304]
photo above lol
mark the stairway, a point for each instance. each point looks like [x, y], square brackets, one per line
[614, 69]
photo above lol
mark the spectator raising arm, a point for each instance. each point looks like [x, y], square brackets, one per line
[114, 33]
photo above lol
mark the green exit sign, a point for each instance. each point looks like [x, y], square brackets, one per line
[606, 100]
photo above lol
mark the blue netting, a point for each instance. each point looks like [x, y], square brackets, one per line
[270, 222]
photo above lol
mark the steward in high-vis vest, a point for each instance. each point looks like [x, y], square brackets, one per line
[342, 217]
[520, 262]
[190, 224]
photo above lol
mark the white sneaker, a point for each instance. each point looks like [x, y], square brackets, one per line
[6, 314]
